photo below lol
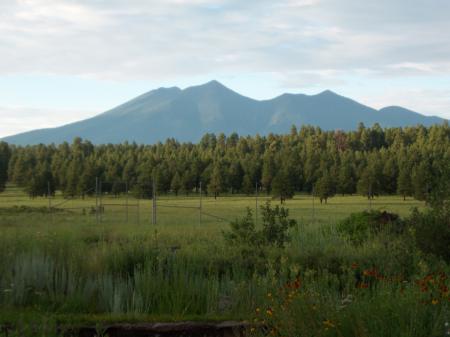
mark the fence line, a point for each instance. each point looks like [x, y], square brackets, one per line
[196, 202]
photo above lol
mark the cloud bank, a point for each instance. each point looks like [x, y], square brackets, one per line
[166, 39]
[300, 43]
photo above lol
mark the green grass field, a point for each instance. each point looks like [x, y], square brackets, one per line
[184, 211]
[69, 266]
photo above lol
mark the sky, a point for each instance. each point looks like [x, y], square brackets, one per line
[66, 60]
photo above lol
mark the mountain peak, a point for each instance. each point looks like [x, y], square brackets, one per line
[212, 107]
[213, 84]
[327, 93]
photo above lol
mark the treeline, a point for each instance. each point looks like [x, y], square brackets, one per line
[412, 161]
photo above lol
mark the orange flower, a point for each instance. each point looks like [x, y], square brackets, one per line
[328, 323]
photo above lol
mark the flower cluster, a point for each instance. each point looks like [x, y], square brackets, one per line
[435, 287]
[278, 303]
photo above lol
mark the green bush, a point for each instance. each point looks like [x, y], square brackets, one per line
[275, 224]
[251, 244]
[432, 230]
[358, 227]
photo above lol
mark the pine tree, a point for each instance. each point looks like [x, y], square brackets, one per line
[346, 183]
[5, 155]
[248, 186]
[188, 182]
[175, 185]
[420, 181]
[404, 182]
[369, 183]
[282, 186]
[268, 172]
[215, 185]
[324, 188]
[235, 176]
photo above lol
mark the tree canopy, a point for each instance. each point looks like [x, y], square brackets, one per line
[412, 161]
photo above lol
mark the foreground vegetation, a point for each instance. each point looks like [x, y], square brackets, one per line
[76, 243]
[369, 274]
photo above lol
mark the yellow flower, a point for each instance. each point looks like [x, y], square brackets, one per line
[434, 301]
[258, 310]
[269, 312]
[328, 323]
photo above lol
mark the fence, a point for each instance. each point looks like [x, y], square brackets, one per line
[113, 201]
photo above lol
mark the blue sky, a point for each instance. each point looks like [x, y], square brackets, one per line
[65, 60]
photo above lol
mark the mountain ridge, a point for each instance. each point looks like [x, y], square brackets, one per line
[187, 114]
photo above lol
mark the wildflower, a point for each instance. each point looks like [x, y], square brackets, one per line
[269, 312]
[363, 285]
[269, 295]
[370, 272]
[434, 301]
[328, 324]
[258, 310]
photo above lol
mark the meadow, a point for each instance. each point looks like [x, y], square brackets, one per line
[69, 265]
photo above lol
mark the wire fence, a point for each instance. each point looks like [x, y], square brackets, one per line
[106, 201]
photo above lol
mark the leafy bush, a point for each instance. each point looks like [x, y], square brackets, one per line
[432, 230]
[359, 226]
[275, 224]
[243, 231]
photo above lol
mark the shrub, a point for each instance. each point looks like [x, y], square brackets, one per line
[275, 224]
[432, 230]
[359, 226]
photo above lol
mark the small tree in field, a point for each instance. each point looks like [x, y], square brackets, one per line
[282, 186]
[275, 224]
[324, 187]
[175, 184]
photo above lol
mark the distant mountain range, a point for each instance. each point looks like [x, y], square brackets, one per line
[188, 114]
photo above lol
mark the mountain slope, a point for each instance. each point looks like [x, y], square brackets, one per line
[188, 114]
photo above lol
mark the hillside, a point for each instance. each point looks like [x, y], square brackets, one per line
[190, 113]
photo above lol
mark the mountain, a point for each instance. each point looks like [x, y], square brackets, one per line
[188, 114]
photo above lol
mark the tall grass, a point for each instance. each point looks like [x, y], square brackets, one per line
[69, 266]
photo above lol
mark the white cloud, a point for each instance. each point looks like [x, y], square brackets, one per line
[20, 119]
[427, 102]
[132, 39]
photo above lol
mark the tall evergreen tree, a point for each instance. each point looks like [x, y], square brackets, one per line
[324, 188]
[282, 186]
[5, 155]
